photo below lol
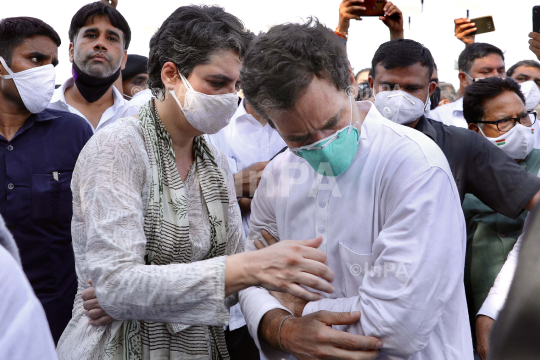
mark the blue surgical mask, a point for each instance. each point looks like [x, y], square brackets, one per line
[334, 154]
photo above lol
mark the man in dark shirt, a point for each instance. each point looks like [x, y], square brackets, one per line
[407, 65]
[38, 151]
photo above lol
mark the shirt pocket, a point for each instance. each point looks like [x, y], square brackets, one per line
[51, 198]
[354, 266]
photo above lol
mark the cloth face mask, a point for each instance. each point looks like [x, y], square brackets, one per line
[516, 143]
[337, 150]
[399, 107]
[532, 94]
[90, 87]
[35, 85]
[206, 113]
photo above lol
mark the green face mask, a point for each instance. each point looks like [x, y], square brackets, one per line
[333, 155]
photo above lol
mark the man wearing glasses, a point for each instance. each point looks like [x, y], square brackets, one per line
[495, 108]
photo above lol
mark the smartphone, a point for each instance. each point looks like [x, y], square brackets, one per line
[373, 8]
[483, 24]
[536, 19]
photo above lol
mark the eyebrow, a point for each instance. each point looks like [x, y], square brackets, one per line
[510, 117]
[42, 56]
[96, 30]
[332, 121]
[524, 75]
[220, 77]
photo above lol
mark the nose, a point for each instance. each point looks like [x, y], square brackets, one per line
[100, 44]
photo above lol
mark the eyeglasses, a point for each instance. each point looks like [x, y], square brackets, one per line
[504, 125]
[476, 79]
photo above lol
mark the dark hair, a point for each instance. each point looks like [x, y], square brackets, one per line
[401, 53]
[361, 71]
[281, 64]
[476, 51]
[14, 31]
[482, 90]
[99, 8]
[190, 36]
[527, 63]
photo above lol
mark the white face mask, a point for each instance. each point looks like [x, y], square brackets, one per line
[399, 107]
[35, 85]
[207, 113]
[516, 143]
[427, 109]
[532, 94]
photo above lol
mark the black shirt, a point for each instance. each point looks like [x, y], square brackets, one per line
[481, 169]
[35, 201]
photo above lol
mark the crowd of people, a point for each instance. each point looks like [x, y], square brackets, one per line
[239, 196]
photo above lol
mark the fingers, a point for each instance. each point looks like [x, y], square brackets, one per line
[270, 240]
[338, 318]
[91, 304]
[88, 294]
[354, 342]
[535, 36]
[461, 21]
[301, 293]
[259, 244]
[95, 313]
[314, 243]
[468, 32]
[104, 320]
[317, 268]
[314, 282]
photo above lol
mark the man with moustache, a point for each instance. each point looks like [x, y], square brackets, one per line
[99, 37]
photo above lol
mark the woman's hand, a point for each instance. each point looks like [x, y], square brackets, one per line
[283, 267]
[98, 316]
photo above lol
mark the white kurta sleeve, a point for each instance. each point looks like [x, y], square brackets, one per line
[256, 301]
[499, 292]
[108, 185]
[419, 255]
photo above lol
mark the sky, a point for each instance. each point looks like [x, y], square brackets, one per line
[433, 27]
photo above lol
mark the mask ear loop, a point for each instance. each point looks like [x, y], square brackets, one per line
[7, 77]
[482, 131]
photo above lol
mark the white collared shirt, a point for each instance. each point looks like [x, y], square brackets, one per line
[247, 141]
[450, 114]
[396, 208]
[110, 115]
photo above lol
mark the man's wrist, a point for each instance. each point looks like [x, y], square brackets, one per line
[269, 327]
[343, 25]
[397, 34]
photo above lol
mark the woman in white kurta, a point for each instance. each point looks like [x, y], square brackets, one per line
[156, 225]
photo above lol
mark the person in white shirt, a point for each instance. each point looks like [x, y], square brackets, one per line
[477, 61]
[250, 144]
[24, 331]
[99, 37]
[381, 195]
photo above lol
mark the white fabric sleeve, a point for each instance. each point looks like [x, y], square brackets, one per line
[108, 182]
[24, 331]
[403, 308]
[499, 291]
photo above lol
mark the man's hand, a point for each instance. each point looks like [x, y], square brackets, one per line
[312, 337]
[112, 3]
[98, 316]
[346, 10]
[464, 30]
[393, 18]
[293, 304]
[534, 44]
[247, 180]
[483, 328]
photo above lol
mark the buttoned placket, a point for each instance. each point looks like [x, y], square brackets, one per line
[322, 206]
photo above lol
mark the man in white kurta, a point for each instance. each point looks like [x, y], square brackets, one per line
[394, 235]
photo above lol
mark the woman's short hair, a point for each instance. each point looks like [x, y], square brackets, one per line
[189, 37]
